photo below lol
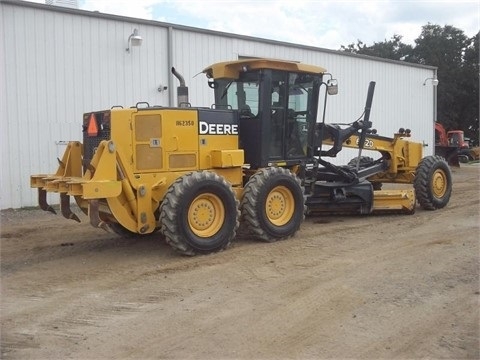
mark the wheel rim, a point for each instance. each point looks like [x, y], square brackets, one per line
[206, 215]
[439, 183]
[280, 205]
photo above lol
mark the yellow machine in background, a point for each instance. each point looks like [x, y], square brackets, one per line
[257, 155]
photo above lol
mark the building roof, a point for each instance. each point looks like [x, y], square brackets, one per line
[205, 31]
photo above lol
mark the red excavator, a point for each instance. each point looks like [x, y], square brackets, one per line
[454, 146]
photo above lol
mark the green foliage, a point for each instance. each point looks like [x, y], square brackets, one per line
[457, 58]
[392, 49]
[470, 109]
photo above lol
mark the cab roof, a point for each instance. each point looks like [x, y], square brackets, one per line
[232, 69]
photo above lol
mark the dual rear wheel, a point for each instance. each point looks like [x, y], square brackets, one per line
[200, 213]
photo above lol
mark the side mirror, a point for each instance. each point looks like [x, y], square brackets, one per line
[332, 87]
[212, 84]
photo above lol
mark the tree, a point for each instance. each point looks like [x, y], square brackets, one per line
[392, 49]
[470, 111]
[456, 56]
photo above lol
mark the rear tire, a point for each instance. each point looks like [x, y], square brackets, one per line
[433, 183]
[273, 204]
[121, 231]
[199, 213]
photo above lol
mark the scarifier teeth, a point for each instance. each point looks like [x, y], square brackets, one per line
[65, 208]
[42, 201]
[94, 214]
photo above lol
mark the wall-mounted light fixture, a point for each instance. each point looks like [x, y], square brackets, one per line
[133, 40]
[434, 81]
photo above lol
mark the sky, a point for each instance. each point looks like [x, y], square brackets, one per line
[320, 23]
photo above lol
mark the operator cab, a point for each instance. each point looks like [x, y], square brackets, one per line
[277, 104]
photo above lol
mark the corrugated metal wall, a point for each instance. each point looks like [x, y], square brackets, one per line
[57, 64]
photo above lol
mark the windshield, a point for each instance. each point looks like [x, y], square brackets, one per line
[455, 139]
[242, 95]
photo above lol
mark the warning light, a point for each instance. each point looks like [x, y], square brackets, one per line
[92, 129]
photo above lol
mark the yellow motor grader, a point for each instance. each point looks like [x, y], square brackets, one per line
[256, 157]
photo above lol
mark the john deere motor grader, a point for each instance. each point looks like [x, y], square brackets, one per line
[256, 155]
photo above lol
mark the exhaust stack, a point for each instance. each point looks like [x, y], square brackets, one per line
[182, 90]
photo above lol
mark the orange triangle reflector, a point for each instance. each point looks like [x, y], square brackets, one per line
[92, 129]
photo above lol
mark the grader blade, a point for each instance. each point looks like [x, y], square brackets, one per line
[65, 208]
[394, 201]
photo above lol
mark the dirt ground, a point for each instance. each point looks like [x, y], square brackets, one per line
[393, 286]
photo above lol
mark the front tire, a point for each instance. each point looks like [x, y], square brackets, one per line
[199, 214]
[273, 205]
[433, 183]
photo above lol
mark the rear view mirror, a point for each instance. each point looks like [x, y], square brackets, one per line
[332, 87]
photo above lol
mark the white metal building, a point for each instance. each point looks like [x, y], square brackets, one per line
[57, 63]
